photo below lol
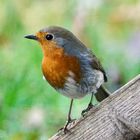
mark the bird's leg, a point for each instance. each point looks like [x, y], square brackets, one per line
[90, 105]
[69, 120]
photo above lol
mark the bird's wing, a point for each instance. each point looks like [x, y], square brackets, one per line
[97, 65]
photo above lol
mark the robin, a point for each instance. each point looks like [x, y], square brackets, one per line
[70, 67]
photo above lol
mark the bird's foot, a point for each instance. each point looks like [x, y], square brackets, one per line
[87, 109]
[65, 129]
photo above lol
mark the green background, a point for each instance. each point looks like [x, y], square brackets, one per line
[29, 108]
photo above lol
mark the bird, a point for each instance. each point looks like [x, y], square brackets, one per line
[70, 67]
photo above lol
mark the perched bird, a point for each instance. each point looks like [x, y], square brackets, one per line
[69, 66]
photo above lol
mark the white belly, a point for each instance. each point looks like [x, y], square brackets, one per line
[74, 90]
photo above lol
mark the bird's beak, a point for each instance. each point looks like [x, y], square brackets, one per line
[31, 37]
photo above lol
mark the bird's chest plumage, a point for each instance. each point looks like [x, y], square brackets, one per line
[57, 68]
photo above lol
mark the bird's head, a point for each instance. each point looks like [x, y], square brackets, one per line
[55, 37]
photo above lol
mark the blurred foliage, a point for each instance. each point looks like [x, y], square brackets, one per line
[29, 107]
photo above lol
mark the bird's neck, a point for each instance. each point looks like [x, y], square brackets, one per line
[53, 52]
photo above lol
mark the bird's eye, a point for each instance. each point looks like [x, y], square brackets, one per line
[49, 37]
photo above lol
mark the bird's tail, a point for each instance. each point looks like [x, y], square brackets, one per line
[102, 93]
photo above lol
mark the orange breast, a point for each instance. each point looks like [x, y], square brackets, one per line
[56, 67]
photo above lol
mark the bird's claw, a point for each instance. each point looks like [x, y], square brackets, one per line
[87, 109]
[65, 129]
